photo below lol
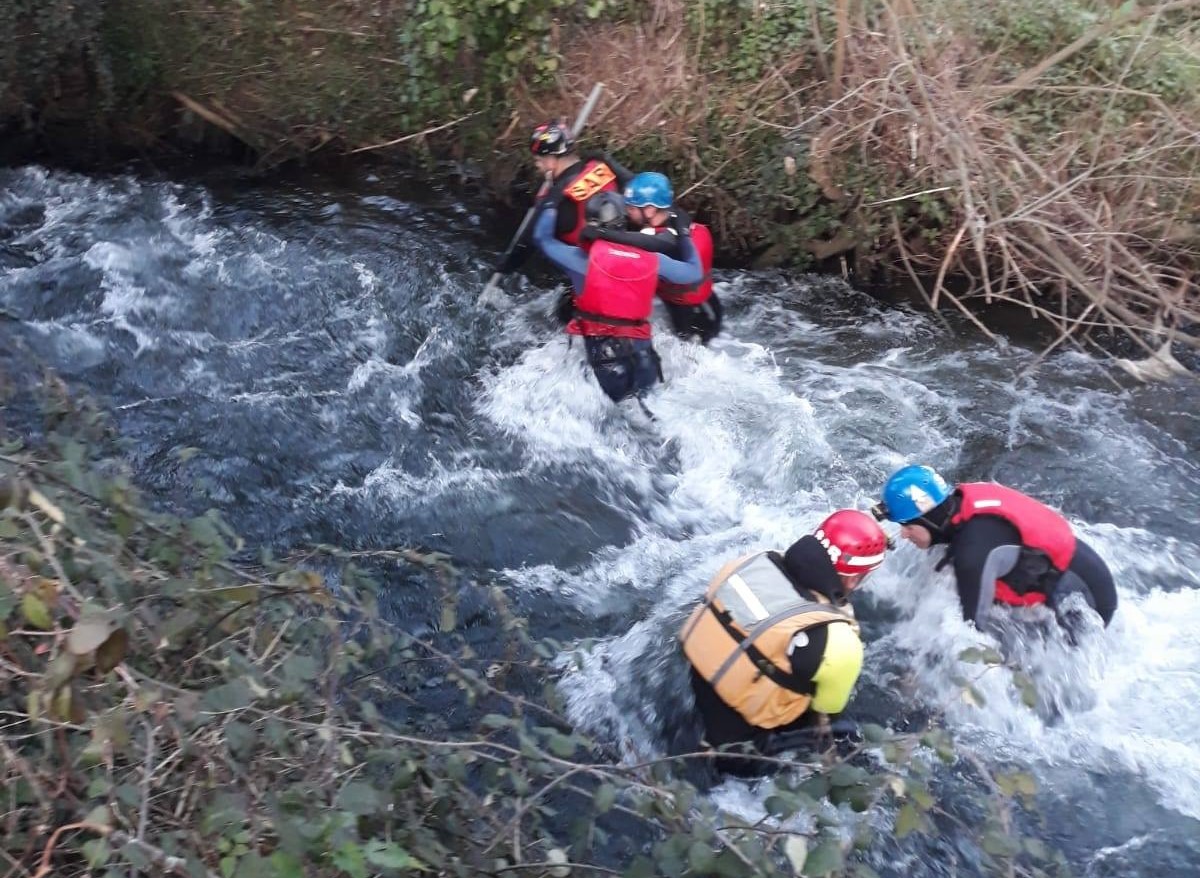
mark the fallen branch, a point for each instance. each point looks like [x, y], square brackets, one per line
[408, 137]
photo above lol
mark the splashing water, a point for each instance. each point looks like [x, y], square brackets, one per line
[321, 348]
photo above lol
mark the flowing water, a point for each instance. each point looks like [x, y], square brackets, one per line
[317, 347]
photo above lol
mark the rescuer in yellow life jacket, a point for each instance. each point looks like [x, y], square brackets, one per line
[775, 646]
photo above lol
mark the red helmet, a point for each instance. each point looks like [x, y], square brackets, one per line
[854, 540]
[552, 138]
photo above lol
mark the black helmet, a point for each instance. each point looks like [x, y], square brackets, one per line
[551, 138]
[606, 210]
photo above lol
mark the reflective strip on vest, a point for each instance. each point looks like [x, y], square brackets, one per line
[749, 598]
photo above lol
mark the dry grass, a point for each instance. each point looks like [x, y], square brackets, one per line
[1094, 228]
[1089, 230]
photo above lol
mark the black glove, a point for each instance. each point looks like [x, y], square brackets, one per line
[680, 223]
[564, 308]
[589, 233]
[515, 258]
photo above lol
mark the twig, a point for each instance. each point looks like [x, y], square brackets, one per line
[908, 196]
[550, 867]
[309, 29]
[147, 777]
[14, 759]
[941, 275]
[408, 137]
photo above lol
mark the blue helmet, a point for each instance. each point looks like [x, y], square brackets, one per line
[911, 492]
[649, 189]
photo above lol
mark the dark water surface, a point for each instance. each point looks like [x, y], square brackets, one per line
[317, 343]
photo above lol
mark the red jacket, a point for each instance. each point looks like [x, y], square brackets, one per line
[595, 176]
[1041, 529]
[692, 294]
[618, 292]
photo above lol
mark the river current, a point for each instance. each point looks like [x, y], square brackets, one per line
[316, 345]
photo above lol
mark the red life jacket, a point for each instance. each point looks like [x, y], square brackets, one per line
[692, 294]
[618, 292]
[1040, 527]
[593, 177]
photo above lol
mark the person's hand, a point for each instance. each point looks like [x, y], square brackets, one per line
[589, 233]
[680, 224]
[564, 308]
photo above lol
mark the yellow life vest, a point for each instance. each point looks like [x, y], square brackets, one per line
[738, 641]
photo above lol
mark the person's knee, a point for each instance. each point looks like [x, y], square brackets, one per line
[1088, 567]
[615, 378]
[646, 369]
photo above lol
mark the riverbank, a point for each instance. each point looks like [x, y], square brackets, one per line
[304, 359]
[1047, 155]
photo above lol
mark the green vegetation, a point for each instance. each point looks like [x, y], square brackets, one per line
[1044, 154]
[173, 707]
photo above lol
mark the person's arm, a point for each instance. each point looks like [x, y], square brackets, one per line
[984, 549]
[840, 666]
[547, 197]
[687, 269]
[668, 244]
[566, 256]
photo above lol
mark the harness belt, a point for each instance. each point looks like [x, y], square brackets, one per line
[765, 666]
[610, 321]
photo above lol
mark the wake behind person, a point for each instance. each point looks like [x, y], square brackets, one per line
[774, 647]
[615, 296]
[1006, 547]
[570, 181]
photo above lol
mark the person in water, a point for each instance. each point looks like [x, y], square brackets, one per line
[571, 180]
[1006, 547]
[774, 647]
[615, 286]
[694, 309]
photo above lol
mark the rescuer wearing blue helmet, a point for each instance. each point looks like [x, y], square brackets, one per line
[615, 285]
[694, 309]
[1006, 547]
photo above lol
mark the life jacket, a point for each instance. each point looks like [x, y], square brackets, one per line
[692, 294]
[738, 640]
[1047, 541]
[595, 176]
[618, 292]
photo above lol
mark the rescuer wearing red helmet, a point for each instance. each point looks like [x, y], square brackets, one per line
[774, 646]
[571, 179]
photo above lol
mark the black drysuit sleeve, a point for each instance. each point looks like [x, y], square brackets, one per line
[971, 548]
[668, 244]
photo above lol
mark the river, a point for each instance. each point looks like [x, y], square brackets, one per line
[314, 345]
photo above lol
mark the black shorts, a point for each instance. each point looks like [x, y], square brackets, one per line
[623, 367]
[703, 320]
